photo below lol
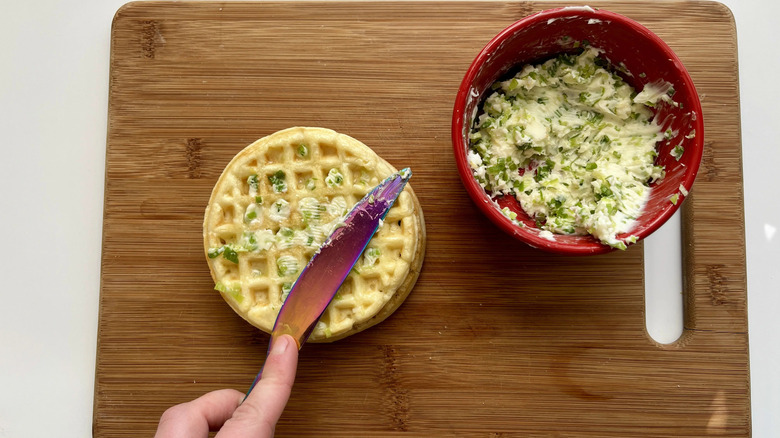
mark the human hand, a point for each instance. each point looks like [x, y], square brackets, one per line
[223, 410]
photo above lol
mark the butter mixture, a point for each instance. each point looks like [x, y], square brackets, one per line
[297, 233]
[573, 143]
[294, 233]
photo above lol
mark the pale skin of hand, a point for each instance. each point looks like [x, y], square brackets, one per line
[224, 411]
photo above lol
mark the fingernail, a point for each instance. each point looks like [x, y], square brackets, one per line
[280, 345]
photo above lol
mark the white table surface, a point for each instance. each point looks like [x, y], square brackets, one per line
[53, 109]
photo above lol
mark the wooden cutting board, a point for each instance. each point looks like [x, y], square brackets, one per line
[497, 339]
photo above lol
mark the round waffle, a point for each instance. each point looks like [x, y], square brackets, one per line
[274, 205]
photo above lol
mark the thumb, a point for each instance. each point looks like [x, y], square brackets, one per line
[258, 414]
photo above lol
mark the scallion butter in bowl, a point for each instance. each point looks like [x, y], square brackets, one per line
[577, 138]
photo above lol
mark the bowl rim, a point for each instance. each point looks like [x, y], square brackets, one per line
[480, 197]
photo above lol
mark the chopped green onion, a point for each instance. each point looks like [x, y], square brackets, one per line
[677, 152]
[618, 245]
[334, 178]
[511, 215]
[253, 183]
[544, 170]
[371, 256]
[286, 288]
[249, 240]
[233, 291]
[286, 265]
[278, 181]
[251, 214]
[230, 254]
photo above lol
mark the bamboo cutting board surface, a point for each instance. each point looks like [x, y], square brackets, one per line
[496, 339]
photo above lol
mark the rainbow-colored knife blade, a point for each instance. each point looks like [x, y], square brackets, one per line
[326, 271]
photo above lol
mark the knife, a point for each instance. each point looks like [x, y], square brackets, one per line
[323, 275]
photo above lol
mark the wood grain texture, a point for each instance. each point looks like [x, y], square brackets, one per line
[497, 339]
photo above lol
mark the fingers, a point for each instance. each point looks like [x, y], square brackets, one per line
[258, 414]
[196, 418]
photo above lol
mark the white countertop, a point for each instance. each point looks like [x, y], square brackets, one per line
[53, 109]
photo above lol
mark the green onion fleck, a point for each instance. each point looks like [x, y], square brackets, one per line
[334, 178]
[371, 256]
[230, 254]
[249, 241]
[252, 182]
[286, 288]
[677, 152]
[233, 291]
[618, 245]
[286, 265]
[278, 181]
[251, 214]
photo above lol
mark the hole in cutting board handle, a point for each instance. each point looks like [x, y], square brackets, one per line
[664, 282]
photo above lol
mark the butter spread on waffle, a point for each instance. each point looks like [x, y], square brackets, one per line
[275, 204]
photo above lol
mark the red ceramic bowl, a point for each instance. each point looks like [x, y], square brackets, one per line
[625, 43]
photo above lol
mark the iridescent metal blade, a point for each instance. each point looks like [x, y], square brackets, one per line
[326, 271]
